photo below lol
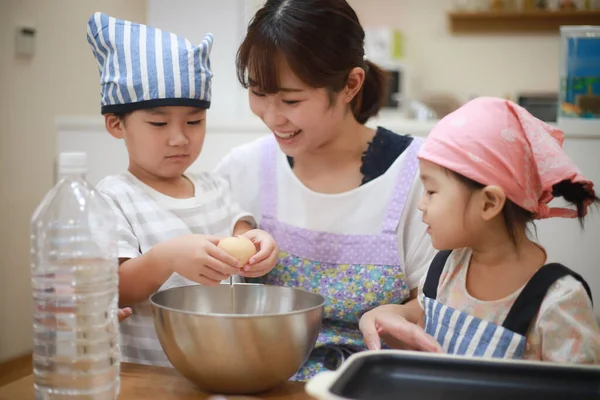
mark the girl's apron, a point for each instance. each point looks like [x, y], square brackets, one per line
[463, 334]
[355, 273]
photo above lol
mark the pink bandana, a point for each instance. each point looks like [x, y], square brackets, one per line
[496, 142]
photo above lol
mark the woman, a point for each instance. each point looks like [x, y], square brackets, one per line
[339, 198]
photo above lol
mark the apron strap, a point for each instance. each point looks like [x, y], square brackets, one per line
[402, 188]
[527, 305]
[433, 274]
[268, 178]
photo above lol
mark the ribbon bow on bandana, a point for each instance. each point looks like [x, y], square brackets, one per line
[496, 142]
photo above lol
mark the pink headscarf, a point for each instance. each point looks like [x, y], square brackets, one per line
[496, 142]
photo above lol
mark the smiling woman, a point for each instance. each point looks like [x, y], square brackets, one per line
[317, 59]
[339, 198]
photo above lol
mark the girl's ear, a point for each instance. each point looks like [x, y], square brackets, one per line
[492, 200]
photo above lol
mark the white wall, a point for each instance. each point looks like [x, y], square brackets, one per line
[226, 20]
[4, 229]
[61, 78]
[464, 65]
[484, 64]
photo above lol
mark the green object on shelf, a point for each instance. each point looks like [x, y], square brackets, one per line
[398, 48]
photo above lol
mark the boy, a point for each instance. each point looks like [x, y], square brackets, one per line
[156, 88]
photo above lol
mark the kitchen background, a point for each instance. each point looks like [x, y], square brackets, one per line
[49, 102]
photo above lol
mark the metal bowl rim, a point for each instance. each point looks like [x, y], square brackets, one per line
[222, 315]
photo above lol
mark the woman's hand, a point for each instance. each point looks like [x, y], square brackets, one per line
[266, 257]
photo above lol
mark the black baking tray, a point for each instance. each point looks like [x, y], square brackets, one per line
[382, 376]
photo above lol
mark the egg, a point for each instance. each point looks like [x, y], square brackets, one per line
[239, 247]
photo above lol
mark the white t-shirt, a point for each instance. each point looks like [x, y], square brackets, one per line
[147, 217]
[359, 211]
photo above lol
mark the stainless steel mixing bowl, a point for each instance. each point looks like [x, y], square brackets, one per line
[241, 340]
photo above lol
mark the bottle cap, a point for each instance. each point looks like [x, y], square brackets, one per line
[72, 163]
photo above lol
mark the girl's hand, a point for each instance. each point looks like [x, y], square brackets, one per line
[388, 319]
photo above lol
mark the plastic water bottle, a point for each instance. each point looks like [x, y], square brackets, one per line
[75, 290]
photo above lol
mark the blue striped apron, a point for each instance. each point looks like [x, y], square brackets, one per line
[463, 334]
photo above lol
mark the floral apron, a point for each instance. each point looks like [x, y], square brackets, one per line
[355, 273]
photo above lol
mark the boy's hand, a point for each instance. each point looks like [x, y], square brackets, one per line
[124, 313]
[388, 319]
[265, 258]
[197, 258]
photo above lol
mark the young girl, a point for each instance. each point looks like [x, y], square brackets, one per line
[489, 169]
[339, 198]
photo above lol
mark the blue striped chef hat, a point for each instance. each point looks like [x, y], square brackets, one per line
[144, 67]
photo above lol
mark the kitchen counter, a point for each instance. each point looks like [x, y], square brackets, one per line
[145, 382]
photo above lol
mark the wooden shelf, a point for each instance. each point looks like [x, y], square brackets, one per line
[520, 21]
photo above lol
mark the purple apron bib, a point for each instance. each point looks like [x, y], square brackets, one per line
[355, 273]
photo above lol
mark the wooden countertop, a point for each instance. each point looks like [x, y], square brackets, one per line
[145, 382]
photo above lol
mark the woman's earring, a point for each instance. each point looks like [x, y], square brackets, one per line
[348, 98]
